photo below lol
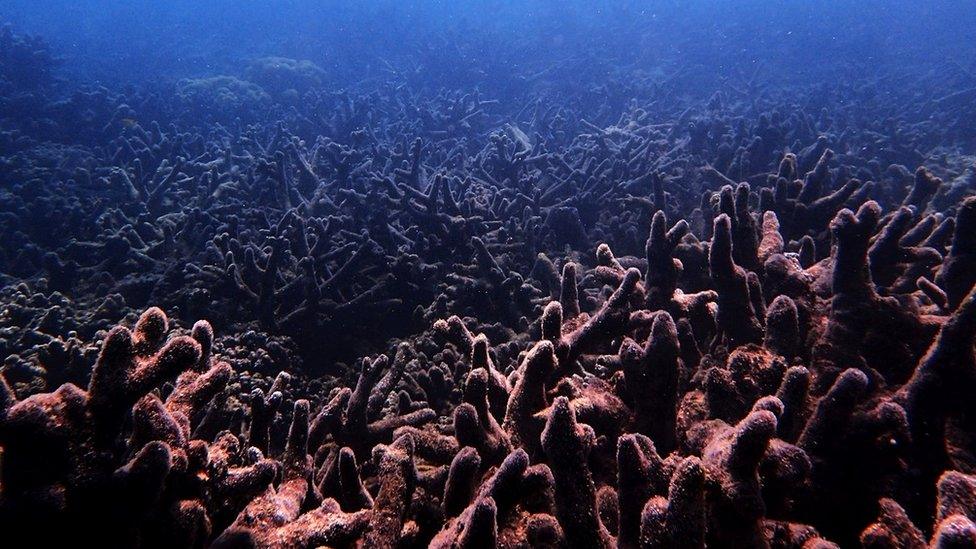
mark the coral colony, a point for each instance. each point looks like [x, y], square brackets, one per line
[388, 319]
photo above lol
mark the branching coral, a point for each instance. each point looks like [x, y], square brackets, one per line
[627, 315]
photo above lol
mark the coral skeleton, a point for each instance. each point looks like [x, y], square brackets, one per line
[256, 312]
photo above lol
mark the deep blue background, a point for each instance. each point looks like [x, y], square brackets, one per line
[135, 41]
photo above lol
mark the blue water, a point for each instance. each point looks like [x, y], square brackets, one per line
[135, 41]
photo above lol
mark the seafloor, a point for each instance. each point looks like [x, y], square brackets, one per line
[256, 312]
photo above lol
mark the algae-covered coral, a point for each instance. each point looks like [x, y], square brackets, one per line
[262, 311]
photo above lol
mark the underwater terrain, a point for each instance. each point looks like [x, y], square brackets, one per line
[580, 274]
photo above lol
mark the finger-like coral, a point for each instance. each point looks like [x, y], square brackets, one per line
[474, 300]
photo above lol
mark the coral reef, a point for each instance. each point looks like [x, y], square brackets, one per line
[411, 317]
[282, 76]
